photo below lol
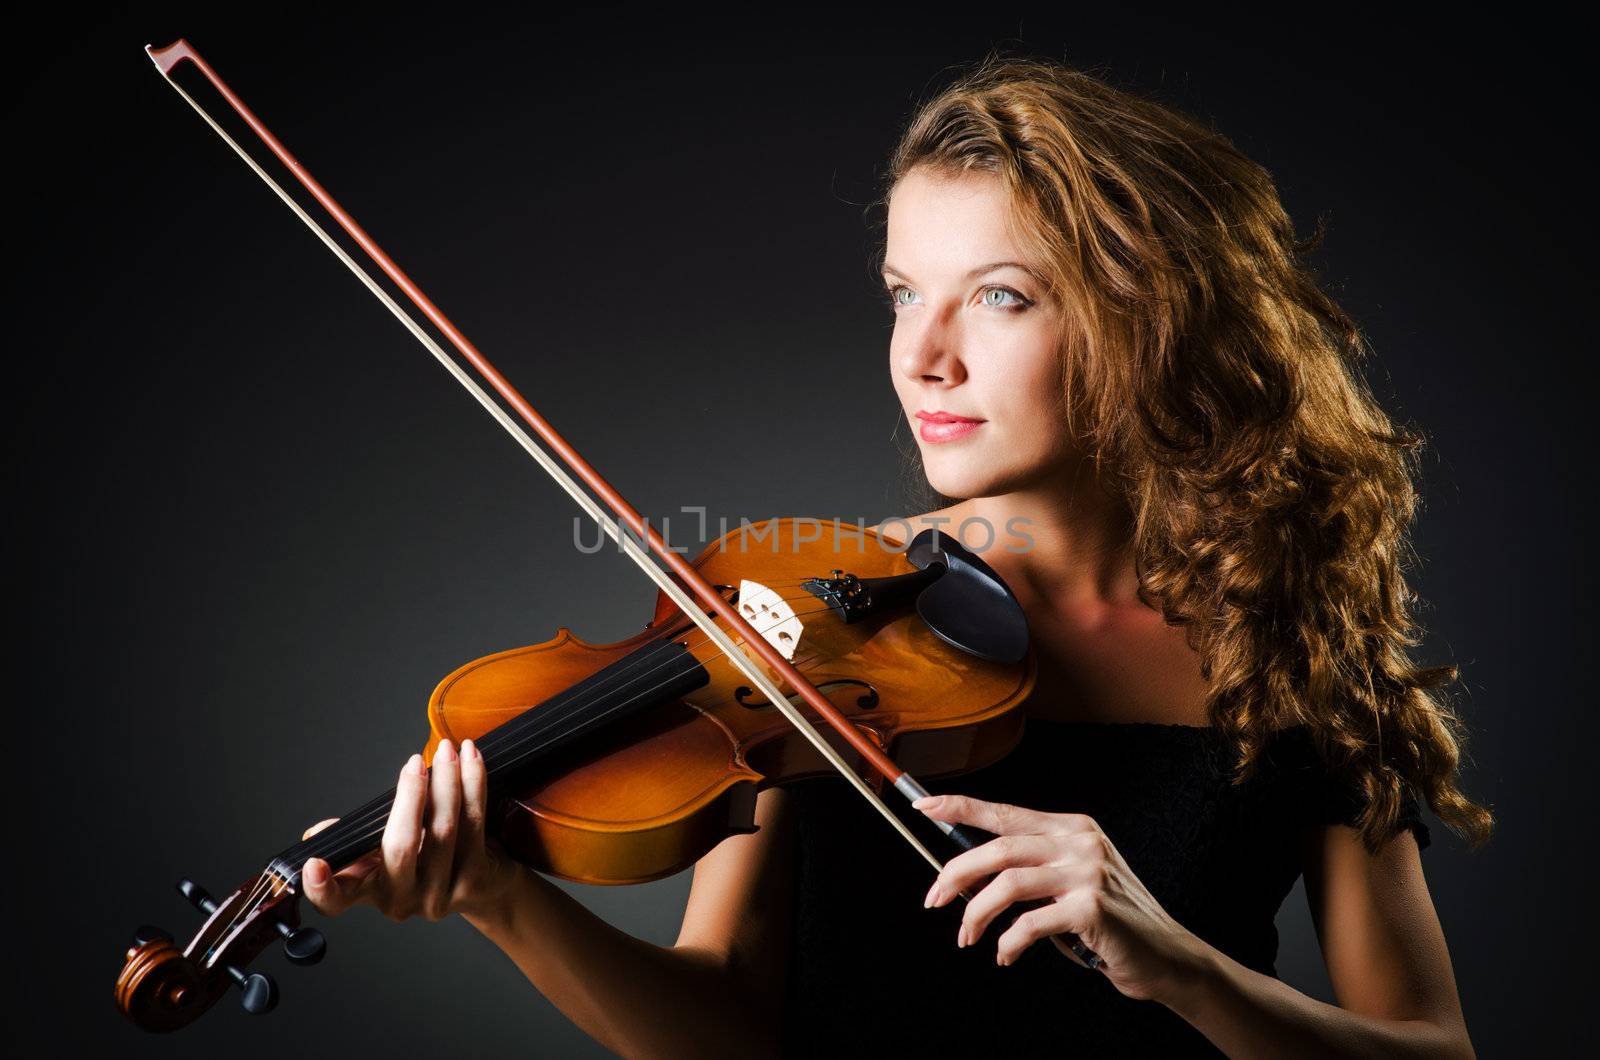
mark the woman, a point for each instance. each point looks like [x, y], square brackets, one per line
[1102, 327]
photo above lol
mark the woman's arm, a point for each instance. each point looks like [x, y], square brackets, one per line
[1385, 950]
[717, 991]
[1386, 957]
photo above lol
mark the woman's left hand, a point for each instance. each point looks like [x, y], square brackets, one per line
[1066, 858]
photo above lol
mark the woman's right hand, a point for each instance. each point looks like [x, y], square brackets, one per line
[435, 859]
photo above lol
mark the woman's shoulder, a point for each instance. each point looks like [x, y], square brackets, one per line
[1333, 796]
[1290, 772]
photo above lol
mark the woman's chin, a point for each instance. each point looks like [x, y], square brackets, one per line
[961, 482]
[974, 476]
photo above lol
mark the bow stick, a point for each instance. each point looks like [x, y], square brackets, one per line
[166, 60]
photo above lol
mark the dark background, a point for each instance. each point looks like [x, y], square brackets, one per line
[254, 524]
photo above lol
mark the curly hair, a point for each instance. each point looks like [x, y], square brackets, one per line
[1218, 389]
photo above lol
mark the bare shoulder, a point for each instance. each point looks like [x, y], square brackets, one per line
[1380, 934]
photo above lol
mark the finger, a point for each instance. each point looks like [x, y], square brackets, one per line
[963, 871]
[444, 819]
[319, 826]
[331, 893]
[1011, 886]
[474, 802]
[1046, 921]
[998, 817]
[402, 836]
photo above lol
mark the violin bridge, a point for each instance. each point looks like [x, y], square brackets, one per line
[771, 616]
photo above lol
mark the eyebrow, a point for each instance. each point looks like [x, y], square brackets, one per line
[979, 271]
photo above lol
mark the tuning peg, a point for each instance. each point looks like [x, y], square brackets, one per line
[198, 896]
[148, 933]
[260, 992]
[302, 945]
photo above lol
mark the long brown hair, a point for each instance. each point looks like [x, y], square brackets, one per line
[1218, 389]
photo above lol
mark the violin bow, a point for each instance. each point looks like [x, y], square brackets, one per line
[166, 60]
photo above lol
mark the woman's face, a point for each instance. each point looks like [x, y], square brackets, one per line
[976, 352]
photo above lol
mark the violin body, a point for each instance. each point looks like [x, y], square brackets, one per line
[651, 795]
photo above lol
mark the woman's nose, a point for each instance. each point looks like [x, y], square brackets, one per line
[930, 351]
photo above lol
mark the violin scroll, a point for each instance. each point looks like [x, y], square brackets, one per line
[164, 988]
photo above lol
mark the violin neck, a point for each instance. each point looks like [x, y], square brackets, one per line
[659, 672]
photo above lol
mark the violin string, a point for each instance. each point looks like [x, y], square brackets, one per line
[364, 830]
[558, 474]
[545, 721]
[527, 715]
[336, 838]
[375, 829]
[252, 902]
[359, 832]
[519, 751]
[345, 834]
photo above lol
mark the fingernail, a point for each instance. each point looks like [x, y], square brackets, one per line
[445, 752]
[926, 802]
[935, 895]
[469, 749]
[414, 764]
[1001, 961]
[312, 871]
[961, 936]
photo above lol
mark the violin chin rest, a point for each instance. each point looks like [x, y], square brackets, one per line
[969, 606]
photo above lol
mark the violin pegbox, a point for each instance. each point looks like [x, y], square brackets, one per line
[163, 988]
[771, 616]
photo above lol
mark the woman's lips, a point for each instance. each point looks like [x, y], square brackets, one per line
[945, 426]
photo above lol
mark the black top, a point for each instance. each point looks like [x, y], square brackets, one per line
[1220, 859]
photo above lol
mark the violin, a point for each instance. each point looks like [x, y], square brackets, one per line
[787, 649]
[627, 762]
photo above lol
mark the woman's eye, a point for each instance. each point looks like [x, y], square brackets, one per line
[996, 296]
[900, 295]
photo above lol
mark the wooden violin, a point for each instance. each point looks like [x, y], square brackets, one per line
[627, 762]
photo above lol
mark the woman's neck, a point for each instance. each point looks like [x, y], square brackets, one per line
[1069, 541]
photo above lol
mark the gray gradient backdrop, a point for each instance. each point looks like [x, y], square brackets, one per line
[254, 524]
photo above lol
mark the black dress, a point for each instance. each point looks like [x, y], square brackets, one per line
[873, 972]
